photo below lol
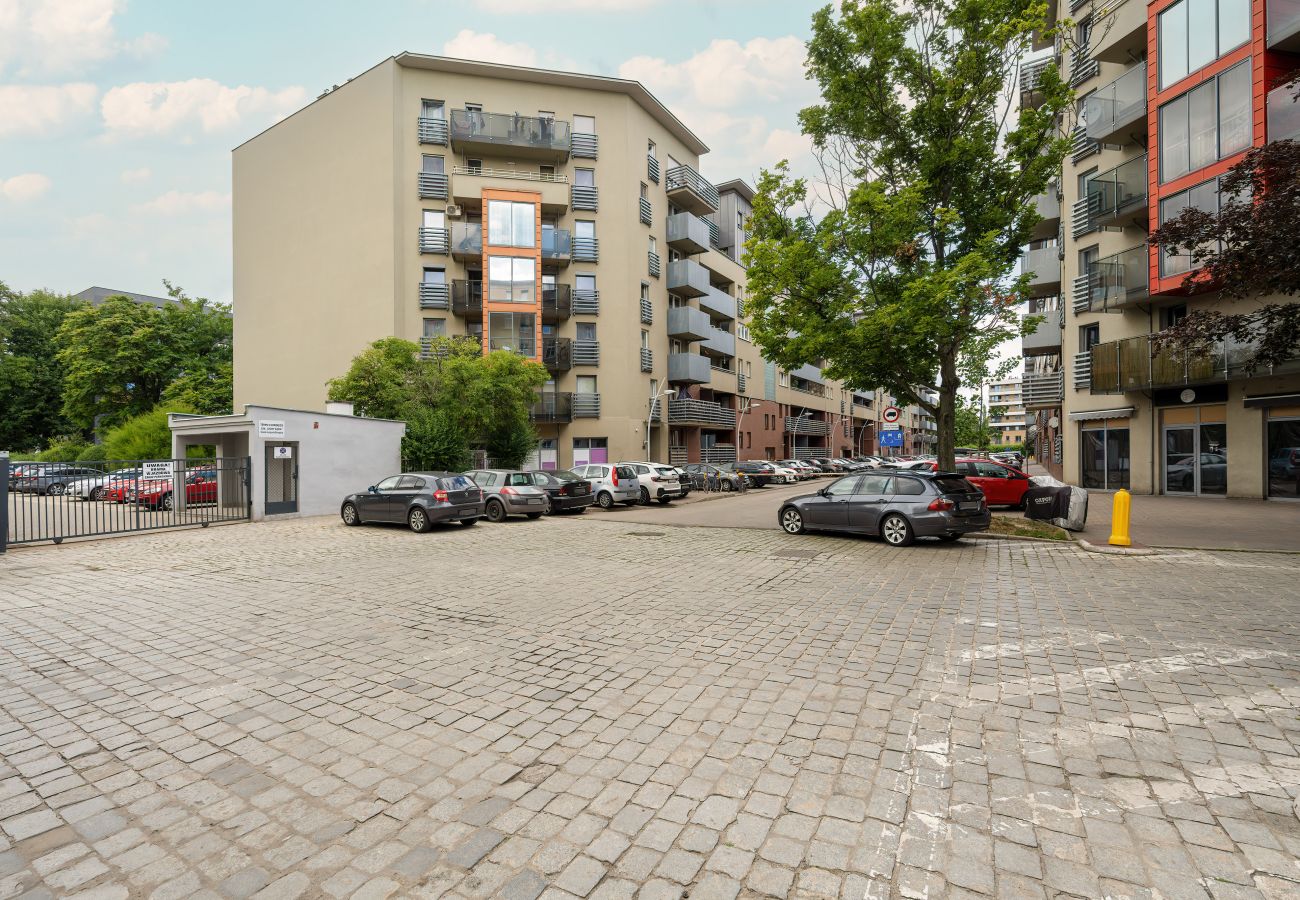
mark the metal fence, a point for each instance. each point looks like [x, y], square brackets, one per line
[51, 501]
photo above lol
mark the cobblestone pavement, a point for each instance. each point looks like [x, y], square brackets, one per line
[602, 709]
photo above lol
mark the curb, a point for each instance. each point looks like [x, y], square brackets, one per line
[1116, 551]
[984, 536]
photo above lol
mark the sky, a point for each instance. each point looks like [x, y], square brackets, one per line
[117, 117]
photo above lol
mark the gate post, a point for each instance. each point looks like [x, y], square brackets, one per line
[4, 500]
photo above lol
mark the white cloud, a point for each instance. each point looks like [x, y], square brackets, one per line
[551, 7]
[135, 176]
[176, 203]
[25, 187]
[38, 110]
[52, 36]
[165, 107]
[484, 47]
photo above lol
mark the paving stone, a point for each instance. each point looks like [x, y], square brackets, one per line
[581, 876]
[479, 845]
[527, 885]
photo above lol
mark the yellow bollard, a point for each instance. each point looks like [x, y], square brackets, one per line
[1119, 527]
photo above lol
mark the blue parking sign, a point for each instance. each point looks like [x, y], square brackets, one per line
[891, 438]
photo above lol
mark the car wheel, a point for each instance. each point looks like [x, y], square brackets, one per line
[167, 503]
[792, 520]
[98, 494]
[468, 522]
[550, 509]
[726, 487]
[56, 489]
[495, 511]
[645, 497]
[534, 515]
[350, 515]
[896, 531]
[665, 500]
[605, 500]
[418, 520]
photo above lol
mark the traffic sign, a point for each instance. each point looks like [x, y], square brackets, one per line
[891, 414]
[891, 438]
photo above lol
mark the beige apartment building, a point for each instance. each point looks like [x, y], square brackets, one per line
[1006, 411]
[1171, 94]
[556, 215]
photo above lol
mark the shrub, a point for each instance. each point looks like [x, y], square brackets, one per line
[145, 436]
[93, 453]
[67, 448]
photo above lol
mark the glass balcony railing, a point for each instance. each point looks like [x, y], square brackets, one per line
[1110, 111]
[1139, 364]
[529, 136]
[467, 298]
[1118, 193]
[467, 239]
[1283, 114]
[1114, 282]
[552, 406]
[556, 244]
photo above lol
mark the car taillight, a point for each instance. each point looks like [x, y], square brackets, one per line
[564, 491]
[509, 491]
[940, 504]
[440, 495]
[613, 473]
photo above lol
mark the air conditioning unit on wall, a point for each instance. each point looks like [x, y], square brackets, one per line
[454, 211]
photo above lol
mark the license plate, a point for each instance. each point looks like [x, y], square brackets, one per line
[467, 511]
[534, 499]
[580, 490]
[974, 505]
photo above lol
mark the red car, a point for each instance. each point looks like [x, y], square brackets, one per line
[200, 487]
[1002, 485]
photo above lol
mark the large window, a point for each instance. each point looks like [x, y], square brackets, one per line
[1204, 197]
[512, 279]
[1284, 458]
[1104, 462]
[1207, 123]
[512, 224]
[516, 332]
[1194, 33]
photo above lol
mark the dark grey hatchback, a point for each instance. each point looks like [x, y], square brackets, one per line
[418, 499]
[898, 506]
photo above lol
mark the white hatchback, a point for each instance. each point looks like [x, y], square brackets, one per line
[658, 482]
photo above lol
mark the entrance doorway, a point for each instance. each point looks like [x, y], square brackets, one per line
[1196, 459]
[281, 478]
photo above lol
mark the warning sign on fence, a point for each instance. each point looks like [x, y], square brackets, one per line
[156, 469]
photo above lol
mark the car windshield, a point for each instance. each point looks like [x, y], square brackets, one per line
[953, 484]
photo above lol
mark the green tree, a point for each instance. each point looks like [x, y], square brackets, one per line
[119, 358]
[31, 379]
[904, 280]
[378, 383]
[144, 436]
[510, 439]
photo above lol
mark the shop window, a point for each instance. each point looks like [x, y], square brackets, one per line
[1104, 461]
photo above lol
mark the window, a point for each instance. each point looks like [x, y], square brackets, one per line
[584, 284]
[1170, 316]
[645, 192]
[742, 331]
[845, 486]
[1194, 33]
[1209, 122]
[516, 332]
[1089, 336]
[587, 331]
[654, 246]
[584, 229]
[1283, 456]
[389, 483]
[785, 378]
[512, 224]
[645, 291]
[650, 149]
[1104, 463]
[645, 340]
[434, 218]
[584, 177]
[1204, 197]
[910, 487]
[586, 384]
[584, 124]
[546, 172]
[433, 165]
[511, 279]
[433, 109]
[435, 328]
[475, 166]
[435, 276]
[546, 115]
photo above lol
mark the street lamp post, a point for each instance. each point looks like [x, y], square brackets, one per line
[745, 406]
[666, 392]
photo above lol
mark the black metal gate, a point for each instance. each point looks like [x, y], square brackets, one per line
[53, 501]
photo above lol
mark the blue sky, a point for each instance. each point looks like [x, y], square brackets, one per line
[117, 117]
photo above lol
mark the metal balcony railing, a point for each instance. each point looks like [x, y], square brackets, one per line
[1081, 292]
[652, 169]
[646, 210]
[647, 360]
[688, 411]
[1082, 146]
[432, 186]
[586, 406]
[585, 197]
[1135, 364]
[432, 131]
[586, 302]
[653, 264]
[467, 298]
[714, 235]
[557, 354]
[511, 174]
[1083, 216]
[557, 302]
[434, 240]
[805, 425]
[1031, 72]
[552, 407]
[718, 453]
[647, 312]
[433, 295]
[1082, 65]
[690, 189]
[1111, 110]
[1042, 389]
[741, 383]
[586, 249]
[586, 353]
[535, 134]
[584, 146]
[1082, 374]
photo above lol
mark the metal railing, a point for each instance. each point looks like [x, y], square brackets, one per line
[1082, 146]
[431, 131]
[688, 411]
[741, 383]
[586, 249]
[1039, 389]
[647, 360]
[1083, 216]
[1118, 191]
[1120, 103]
[1082, 65]
[647, 312]
[1081, 292]
[585, 197]
[646, 210]
[585, 302]
[586, 406]
[433, 295]
[552, 407]
[1031, 72]
[684, 178]
[434, 240]
[654, 267]
[54, 501]
[586, 353]
[718, 453]
[510, 130]
[714, 235]
[804, 425]
[432, 186]
[584, 146]
[1135, 364]
[1082, 372]
[510, 174]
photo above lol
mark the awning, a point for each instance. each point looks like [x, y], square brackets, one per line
[1273, 400]
[1083, 416]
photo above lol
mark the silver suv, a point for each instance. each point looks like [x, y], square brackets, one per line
[658, 482]
[611, 483]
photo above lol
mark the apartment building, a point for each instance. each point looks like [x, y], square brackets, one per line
[1171, 93]
[1006, 411]
[557, 215]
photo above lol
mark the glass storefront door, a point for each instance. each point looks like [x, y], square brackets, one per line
[1196, 459]
[1284, 458]
[1104, 464]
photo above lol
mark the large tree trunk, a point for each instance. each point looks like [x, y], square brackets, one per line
[948, 386]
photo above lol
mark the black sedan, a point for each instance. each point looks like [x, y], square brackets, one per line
[565, 490]
[418, 499]
[898, 505]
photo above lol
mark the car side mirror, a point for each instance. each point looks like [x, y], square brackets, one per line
[372, 490]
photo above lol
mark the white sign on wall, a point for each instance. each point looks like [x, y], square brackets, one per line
[282, 452]
[152, 470]
[272, 428]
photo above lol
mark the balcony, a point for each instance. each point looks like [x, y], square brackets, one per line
[652, 169]
[1082, 371]
[433, 295]
[1119, 280]
[586, 406]
[467, 298]
[652, 264]
[1119, 31]
[472, 181]
[645, 211]
[1044, 267]
[1118, 196]
[1082, 66]
[719, 343]
[686, 411]
[431, 131]
[1046, 338]
[688, 324]
[718, 453]
[467, 241]
[557, 303]
[806, 425]
[1030, 73]
[1117, 113]
[688, 368]
[810, 373]
[687, 233]
[586, 249]
[1082, 146]
[525, 137]
[552, 407]
[585, 197]
[687, 278]
[431, 186]
[557, 246]
[586, 303]
[434, 240]
[586, 353]
[647, 359]
[1135, 364]
[741, 383]
[718, 304]
[715, 234]
[557, 354]
[584, 146]
[1048, 207]
[524, 345]
[647, 312]
[1283, 115]
[689, 190]
[1042, 390]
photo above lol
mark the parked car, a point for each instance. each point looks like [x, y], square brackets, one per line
[116, 489]
[754, 472]
[509, 492]
[51, 478]
[802, 470]
[897, 506]
[95, 487]
[611, 483]
[658, 482]
[1284, 463]
[685, 480]
[727, 481]
[565, 491]
[784, 474]
[418, 499]
[1002, 485]
[1182, 475]
[158, 493]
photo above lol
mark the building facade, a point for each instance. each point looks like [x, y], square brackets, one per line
[1171, 94]
[1006, 411]
[559, 216]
